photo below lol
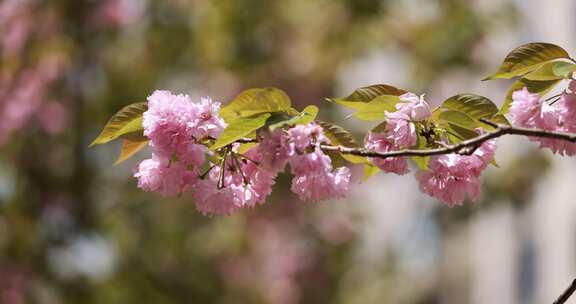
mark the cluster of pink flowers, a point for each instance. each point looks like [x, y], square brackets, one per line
[177, 127]
[400, 132]
[449, 178]
[530, 111]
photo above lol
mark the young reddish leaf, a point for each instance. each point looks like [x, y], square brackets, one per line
[339, 136]
[129, 148]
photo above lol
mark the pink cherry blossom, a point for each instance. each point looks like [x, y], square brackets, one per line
[275, 149]
[210, 200]
[524, 108]
[449, 180]
[452, 177]
[305, 136]
[117, 13]
[317, 186]
[559, 117]
[528, 110]
[245, 185]
[567, 109]
[400, 127]
[414, 106]
[379, 142]
[174, 124]
[53, 117]
[207, 122]
[401, 130]
[315, 180]
[157, 174]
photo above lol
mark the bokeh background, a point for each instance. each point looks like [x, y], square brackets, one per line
[75, 229]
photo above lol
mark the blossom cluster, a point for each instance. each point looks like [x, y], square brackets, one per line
[450, 177]
[531, 111]
[222, 183]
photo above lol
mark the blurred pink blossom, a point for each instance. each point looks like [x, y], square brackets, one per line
[53, 117]
[117, 13]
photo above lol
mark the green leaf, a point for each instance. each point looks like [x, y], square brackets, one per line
[421, 161]
[527, 58]
[459, 125]
[499, 119]
[457, 118]
[129, 148]
[243, 148]
[380, 128]
[550, 71]
[359, 97]
[307, 116]
[460, 133]
[339, 136]
[475, 106]
[240, 128]
[564, 69]
[256, 101]
[369, 171]
[375, 109]
[126, 122]
[540, 87]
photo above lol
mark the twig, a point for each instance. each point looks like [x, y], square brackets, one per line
[566, 294]
[466, 147]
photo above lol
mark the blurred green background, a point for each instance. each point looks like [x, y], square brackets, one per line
[75, 229]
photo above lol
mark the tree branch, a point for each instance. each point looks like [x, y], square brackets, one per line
[466, 147]
[566, 294]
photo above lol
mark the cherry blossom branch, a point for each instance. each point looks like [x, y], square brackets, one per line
[566, 294]
[466, 147]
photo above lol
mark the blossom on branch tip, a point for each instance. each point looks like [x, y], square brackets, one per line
[524, 108]
[530, 111]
